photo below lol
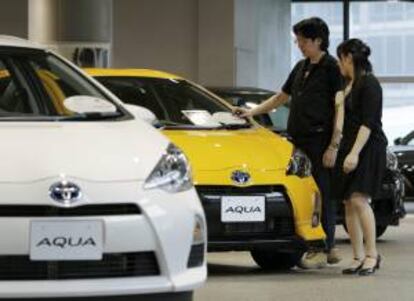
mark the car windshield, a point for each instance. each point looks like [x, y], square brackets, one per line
[34, 85]
[175, 103]
[409, 139]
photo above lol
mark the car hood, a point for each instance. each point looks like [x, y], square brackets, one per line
[213, 150]
[95, 151]
[405, 153]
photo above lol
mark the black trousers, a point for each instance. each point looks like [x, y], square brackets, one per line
[314, 147]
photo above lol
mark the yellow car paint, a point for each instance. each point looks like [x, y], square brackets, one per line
[214, 154]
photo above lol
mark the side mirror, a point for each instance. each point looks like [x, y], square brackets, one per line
[398, 141]
[141, 113]
[87, 104]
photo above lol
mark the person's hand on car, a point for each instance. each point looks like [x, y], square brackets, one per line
[242, 112]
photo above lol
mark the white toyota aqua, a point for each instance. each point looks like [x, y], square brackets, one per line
[94, 201]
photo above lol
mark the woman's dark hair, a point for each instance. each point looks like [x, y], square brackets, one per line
[360, 53]
[313, 28]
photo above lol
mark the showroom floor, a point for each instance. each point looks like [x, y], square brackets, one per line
[234, 276]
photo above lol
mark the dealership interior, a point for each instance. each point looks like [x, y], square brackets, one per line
[131, 173]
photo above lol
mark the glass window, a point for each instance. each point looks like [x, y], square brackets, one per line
[385, 26]
[168, 99]
[393, 57]
[60, 81]
[331, 13]
[398, 108]
[409, 64]
[15, 97]
[34, 85]
[378, 54]
[135, 91]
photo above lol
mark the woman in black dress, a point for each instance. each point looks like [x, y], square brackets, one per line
[362, 155]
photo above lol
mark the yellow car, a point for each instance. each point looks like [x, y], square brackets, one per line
[256, 188]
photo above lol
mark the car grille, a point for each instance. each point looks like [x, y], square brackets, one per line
[281, 226]
[232, 190]
[52, 211]
[196, 258]
[111, 266]
[279, 220]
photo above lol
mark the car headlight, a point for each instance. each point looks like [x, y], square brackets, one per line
[392, 160]
[299, 164]
[172, 173]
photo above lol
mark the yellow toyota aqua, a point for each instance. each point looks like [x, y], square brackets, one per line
[256, 188]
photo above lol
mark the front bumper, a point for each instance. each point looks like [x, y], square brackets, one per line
[164, 226]
[278, 231]
[102, 287]
[287, 244]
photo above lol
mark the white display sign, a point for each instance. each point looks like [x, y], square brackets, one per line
[66, 240]
[243, 209]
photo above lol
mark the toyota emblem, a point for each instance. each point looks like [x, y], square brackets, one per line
[65, 192]
[240, 177]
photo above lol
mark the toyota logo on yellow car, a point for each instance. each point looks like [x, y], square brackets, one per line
[65, 192]
[240, 177]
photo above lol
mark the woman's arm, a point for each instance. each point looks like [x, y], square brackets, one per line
[371, 97]
[351, 161]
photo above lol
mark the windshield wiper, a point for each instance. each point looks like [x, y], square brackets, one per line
[234, 126]
[92, 116]
[167, 124]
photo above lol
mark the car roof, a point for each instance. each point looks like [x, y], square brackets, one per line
[240, 90]
[131, 73]
[12, 41]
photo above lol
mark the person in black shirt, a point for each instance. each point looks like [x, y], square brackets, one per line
[362, 155]
[312, 87]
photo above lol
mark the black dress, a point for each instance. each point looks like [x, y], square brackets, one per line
[363, 106]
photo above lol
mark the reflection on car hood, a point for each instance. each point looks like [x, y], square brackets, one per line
[252, 149]
[95, 151]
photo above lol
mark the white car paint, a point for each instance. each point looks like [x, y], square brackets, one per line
[110, 162]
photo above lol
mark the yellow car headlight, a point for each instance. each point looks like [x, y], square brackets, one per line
[299, 164]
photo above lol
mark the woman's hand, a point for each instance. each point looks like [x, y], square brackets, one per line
[351, 162]
[242, 112]
[329, 157]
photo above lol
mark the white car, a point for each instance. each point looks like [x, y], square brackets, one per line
[94, 201]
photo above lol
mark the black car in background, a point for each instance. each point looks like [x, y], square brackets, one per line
[388, 206]
[404, 150]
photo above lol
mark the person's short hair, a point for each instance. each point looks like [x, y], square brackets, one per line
[313, 28]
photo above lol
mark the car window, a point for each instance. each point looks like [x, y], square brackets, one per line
[15, 97]
[409, 139]
[59, 82]
[170, 100]
[280, 117]
[34, 85]
[137, 92]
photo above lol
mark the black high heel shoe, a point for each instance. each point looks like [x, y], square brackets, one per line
[370, 271]
[354, 270]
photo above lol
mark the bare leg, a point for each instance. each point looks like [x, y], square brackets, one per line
[366, 216]
[355, 231]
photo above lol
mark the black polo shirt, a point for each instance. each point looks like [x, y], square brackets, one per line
[312, 105]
